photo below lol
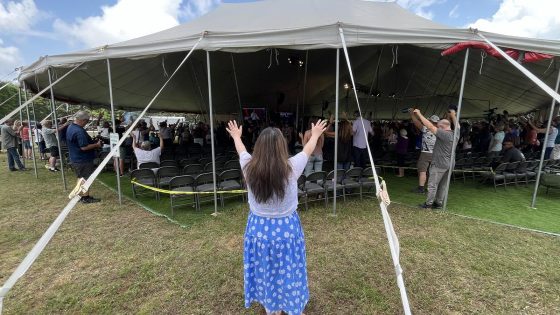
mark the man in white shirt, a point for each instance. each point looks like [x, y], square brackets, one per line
[359, 142]
[144, 152]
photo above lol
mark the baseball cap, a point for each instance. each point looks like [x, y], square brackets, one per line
[434, 118]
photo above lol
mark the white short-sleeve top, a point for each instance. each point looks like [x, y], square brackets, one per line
[275, 207]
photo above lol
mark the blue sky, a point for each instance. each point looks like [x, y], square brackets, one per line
[32, 28]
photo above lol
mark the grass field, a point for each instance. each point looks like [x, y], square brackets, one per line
[108, 258]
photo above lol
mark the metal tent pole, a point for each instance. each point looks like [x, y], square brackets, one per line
[55, 119]
[336, 126]
[541, 162]
[212, 133]
[457, 129]
[21, 120]
[118, 158]
[30, 133]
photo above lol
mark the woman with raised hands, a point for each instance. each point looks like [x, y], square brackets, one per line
[274, 260]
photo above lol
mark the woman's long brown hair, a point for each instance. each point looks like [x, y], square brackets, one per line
[345, 131]
[268, 170]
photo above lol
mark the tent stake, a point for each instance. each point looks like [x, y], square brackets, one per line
[541, 162]
[117, 160]
[457, 129]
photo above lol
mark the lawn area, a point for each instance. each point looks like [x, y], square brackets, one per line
[108, 258]
[509, 206]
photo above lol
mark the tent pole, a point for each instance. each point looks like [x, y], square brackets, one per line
[237, 89]
[55, 119]
[117, 158]
[21, 120]
[541, 162]
[457, 129]
[336, 126]
[304, 91]
[212, 134]
[30, 133]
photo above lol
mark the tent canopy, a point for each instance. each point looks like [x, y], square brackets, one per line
[259, 37]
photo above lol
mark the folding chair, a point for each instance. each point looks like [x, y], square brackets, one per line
[182, 183]
[145, 177]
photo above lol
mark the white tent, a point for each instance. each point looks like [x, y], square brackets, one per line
[264, 34]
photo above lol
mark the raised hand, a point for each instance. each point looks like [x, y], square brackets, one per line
[318, 128]
[234, 130]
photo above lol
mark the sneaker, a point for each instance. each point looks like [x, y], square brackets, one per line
[47, 166]
[23, 169]
[437, 205]
[419, 190]
[425, 206]
[13, 169]
[51, 170]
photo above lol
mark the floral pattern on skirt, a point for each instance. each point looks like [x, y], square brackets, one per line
[274, 262]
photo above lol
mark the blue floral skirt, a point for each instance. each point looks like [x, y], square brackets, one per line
[275, 270]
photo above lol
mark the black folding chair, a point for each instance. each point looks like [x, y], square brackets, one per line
[165, 173]
[193, 169]
[183, 183]
[149, 165]
[204, 183]
[230, 180]
[351, 182]
[145, 177]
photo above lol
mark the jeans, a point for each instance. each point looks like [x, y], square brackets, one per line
[13, 155]
[343, 166]
[314, 164]
[547, 152]
[437, 183]
[360, 157]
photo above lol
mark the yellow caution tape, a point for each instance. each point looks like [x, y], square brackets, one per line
[171, 192]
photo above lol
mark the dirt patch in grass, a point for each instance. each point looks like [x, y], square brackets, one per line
[108, 259]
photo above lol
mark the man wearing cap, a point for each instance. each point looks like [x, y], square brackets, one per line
[441, 157]
[81, 148]
[428, 141]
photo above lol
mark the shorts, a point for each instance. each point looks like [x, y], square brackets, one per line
[83, 170]
[42, 147]
[424, 161]
[54, 151]
[26, 144]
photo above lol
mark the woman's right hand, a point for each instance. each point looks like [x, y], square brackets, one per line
[318, 128]
[234, 130]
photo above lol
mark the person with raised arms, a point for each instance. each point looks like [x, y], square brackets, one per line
[274, 259]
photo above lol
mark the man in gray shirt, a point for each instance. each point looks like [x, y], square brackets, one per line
[10, 130]
[441, 157]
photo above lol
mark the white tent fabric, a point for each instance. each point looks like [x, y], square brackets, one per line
[248, 29]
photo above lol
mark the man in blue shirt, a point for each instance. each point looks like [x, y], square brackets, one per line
[82, 150]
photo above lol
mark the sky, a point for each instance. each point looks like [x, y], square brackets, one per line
[33, 28]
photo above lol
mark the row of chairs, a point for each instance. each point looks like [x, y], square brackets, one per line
[190, 169]
[202, 183]
[320, 184]
[518, 172]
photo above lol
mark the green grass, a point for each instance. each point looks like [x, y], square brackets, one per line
[107, 258]
[508, 206]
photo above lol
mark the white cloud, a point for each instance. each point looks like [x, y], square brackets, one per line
[527, 18]
[420, 7]
[9, 59]
[196, 8]
[454, 13]
[129, 19]
[17, 16]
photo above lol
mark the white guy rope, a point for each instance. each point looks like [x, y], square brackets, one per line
[43, 241]
[37, 95]
[391, 235]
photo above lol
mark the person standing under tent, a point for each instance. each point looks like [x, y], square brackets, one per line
[360, 140]
[496, 144]
[144, 152]
[344, 152]
[120, 130]
[427, 147]
[49, 134]
[82, 150]
[556, 151]
[62, 132]
[26, 141]
[315, 161]
[441, 157]
[401, 149]
[38, 130]
[9, 131]
[552, 134]
[274, 258]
